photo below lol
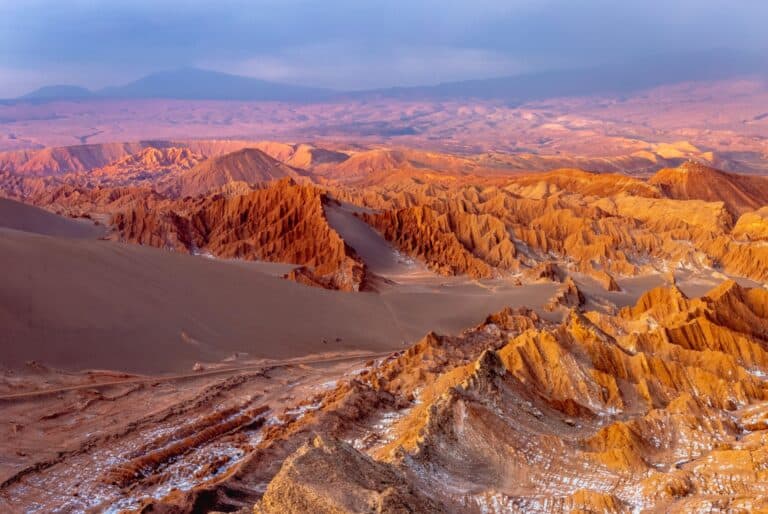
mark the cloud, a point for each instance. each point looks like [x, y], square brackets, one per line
[356, 43]
[362, 68]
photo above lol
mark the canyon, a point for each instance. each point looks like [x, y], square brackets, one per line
[388, 305]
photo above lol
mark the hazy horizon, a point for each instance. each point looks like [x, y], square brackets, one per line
[345, 45]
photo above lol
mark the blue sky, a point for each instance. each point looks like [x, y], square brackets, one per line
[353, 44]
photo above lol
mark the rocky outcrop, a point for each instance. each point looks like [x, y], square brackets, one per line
[152, 159]
[331, 477]
[282, 222]
[546, 270]
[300, 155]
[450, 244]
[583, 183]
[752, 226]
[58, 160]
[605, 279]
[96, 202]
[605, 226]
[279, 222]
[149, 167]
[567, 295]
[598, 414]
[551, 404]
[661, 407]
[459, 215]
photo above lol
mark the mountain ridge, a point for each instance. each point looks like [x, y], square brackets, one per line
[200, 84]
[190, 83]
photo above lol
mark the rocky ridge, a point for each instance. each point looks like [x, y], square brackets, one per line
[459, 215]
[601, 225]
[659, 407]
[283, 222]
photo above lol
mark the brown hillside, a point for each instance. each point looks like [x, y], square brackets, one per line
[739, 193]
[248, 165]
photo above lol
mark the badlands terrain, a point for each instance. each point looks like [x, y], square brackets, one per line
[722, 122]
[556, 306]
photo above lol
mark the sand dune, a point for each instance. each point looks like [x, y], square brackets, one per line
[97, 304]
[380, 257]
[18, 216]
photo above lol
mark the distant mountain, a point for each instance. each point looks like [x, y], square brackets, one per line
[58, 92]
[196, 84]
[616, 78]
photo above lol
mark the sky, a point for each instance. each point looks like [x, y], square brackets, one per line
[353, 44]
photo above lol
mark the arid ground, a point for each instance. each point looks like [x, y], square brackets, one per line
[386, 305]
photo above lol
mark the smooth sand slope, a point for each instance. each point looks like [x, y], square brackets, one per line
[378, 254]
[81, 304]
[19, 216]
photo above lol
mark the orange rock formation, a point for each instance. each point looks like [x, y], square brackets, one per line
[248, 165]
[661, 407]
[739, 193]
[283, 222]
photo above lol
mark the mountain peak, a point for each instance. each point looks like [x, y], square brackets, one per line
[190, 83]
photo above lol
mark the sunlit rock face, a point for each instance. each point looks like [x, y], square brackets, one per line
[282, 222]
[605, 226]
[692, 180]
[606, 400]
[458, 214]
[661, 407]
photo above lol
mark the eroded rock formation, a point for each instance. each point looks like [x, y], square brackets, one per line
[459, 215]
[606, 226]
[660, 407]
[567, 295]
[283, 222]
[448, 244]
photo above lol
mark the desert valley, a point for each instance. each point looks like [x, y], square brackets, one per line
[195, 325]
[544, 292]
